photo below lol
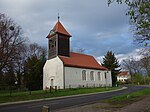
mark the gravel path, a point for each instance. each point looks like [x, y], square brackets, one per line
[140, 106]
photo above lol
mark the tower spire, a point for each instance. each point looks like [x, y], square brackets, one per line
[58, 15]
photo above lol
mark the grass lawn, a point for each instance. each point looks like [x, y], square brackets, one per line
[123, 100]
[40, 94]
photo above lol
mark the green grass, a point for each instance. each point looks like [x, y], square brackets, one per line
[128, 98]
[22, 96]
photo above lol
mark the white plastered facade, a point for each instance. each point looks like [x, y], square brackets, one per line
[73, 78]
[56, 74]
[53, 73]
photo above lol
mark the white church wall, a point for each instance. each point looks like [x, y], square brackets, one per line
[109, 78]
[53, 73]
[73, 78]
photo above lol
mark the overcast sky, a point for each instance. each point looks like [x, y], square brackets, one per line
[93, 25]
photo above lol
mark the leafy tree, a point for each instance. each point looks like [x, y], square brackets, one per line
[138, 79]
[111, 62]
[34, 67]
[33, 73]
[140, 18]
[147, 80]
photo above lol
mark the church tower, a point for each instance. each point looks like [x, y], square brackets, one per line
[64, 68]
[58, 41]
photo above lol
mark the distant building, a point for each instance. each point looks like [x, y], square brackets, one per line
[123, 76]
[66, 69]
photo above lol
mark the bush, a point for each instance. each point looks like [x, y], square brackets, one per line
[147, 80]
[137, 79]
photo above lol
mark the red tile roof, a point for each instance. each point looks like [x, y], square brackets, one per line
[123, 73]
[58, 28]
[81, 61]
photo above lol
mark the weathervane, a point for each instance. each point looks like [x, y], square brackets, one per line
[58, 15]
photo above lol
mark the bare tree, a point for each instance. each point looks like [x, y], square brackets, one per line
[145, 60]
[35, 50]
[19, 64]
[27, 51]
[78, 50]
[11, 42]
[145, 52]
[132, 65]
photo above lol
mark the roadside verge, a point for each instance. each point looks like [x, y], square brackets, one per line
[56, 98]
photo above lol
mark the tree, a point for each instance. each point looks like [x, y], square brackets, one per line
[19, 65]
[111, 62]
[11, 40]
[34, 67]
[34, 73]
[145, 60]
[138, 79]
[11, 44]
[140, 19]
[133, 66]
[16, 54]
[78, 50]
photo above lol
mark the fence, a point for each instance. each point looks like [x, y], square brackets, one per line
[8, 89]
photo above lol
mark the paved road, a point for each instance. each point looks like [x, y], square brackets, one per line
[65, 102]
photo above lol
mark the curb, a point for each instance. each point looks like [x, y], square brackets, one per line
[56, 98]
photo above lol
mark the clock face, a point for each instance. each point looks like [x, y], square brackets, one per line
[52, 42]
[52, 32]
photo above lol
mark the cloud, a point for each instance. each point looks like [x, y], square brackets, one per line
[120, 57]
[93, 25]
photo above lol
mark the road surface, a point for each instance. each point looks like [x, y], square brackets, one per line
[58, 104]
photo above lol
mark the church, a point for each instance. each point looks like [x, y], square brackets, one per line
[66, 69]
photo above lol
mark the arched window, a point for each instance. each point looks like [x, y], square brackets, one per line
[99, 75]
[83, 75]
[92, 75]
[55, 43]
[50, 44]
[105, 75]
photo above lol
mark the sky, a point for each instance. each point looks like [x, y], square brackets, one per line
[94, 26]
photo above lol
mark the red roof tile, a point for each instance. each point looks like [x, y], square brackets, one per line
[123, 73]
[81, 61]
[58, 28]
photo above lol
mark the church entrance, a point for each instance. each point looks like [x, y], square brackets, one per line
[52, 82]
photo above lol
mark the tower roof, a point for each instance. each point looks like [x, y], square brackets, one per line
[58, 28]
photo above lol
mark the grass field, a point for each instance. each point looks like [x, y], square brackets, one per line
[123, 100]
[40, 94]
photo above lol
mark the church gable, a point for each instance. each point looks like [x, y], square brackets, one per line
[53, 73]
